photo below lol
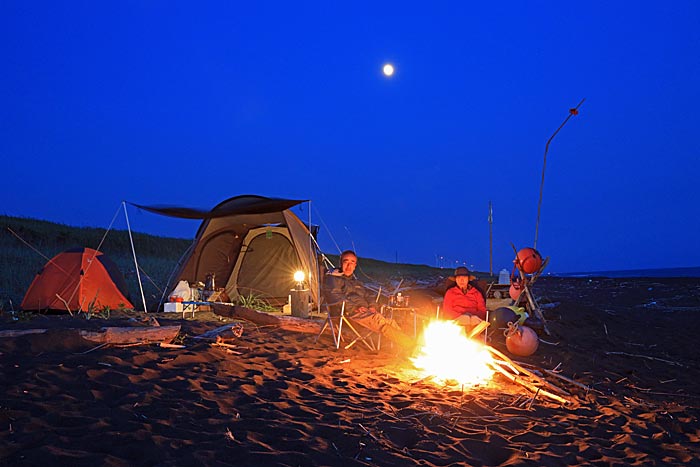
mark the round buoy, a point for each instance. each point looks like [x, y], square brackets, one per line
[529, 260]
[500, 317]
[516, 288]
[521, 340]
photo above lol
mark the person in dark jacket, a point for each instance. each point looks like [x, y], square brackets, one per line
[341, 285]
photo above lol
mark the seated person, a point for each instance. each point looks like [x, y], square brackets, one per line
[464, 303]
[341, 285]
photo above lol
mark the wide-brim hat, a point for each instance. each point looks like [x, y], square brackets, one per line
[462, 271]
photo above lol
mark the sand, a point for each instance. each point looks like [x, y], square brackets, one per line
[279, 398]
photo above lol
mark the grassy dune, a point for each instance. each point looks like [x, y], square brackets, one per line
[36, 241]
[20, 260]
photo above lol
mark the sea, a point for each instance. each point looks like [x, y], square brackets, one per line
[662, 272]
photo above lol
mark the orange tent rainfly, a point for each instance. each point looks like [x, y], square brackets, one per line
[80, 279]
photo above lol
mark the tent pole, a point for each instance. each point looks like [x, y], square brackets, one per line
[490, 238]
[133, 252]
[314, 261]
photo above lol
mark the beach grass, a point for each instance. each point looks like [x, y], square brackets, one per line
[27, 244]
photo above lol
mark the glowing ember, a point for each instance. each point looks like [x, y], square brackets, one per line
[449, 355]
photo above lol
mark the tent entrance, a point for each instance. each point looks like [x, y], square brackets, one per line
[265, 267]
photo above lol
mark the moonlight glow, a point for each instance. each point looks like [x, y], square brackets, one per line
[388, 69]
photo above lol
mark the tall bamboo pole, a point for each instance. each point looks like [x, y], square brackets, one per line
[572, 112]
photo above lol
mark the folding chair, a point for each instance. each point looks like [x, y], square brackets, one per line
[336, 324]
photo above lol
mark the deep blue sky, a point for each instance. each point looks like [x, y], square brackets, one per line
[190, 103]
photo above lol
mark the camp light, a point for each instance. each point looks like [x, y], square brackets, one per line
[299, 278]
[299, 297]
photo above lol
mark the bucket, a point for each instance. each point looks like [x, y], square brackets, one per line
[504, 277]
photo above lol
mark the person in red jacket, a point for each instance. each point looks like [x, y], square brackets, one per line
[464, 303]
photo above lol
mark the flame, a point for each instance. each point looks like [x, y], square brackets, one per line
[449, 355]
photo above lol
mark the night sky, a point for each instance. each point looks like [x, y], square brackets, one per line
[190, 103]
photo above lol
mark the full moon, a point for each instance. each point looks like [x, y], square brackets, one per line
[388, 69]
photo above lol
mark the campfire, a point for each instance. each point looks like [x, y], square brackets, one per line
[449, 356]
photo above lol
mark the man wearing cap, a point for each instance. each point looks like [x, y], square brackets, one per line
[341, 285]
[464, 303]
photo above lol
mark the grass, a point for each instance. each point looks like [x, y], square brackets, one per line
[157, 257]
[20, 260]
[254, 302]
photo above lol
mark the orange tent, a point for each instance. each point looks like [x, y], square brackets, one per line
[80, 279]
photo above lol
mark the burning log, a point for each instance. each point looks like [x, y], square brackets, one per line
[444, 340]
[526, 384]
[520, 370]
[526, 378]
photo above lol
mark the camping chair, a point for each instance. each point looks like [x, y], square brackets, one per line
[336, 323]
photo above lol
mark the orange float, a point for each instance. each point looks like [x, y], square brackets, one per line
[529, 260]
[516, 288]
[521, 340]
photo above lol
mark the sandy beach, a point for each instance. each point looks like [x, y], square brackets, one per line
[279, 398]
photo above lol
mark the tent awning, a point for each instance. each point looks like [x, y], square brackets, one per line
[244, 204]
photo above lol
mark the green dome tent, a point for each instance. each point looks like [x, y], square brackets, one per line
[252, 245]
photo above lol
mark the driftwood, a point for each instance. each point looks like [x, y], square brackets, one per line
[236, 330]
[646, 357]
[526, 378]
[132, 335]
[20, 332]
[213, 333]
[112, 335]
[165, 345]
[288, 323]
[517, 379]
